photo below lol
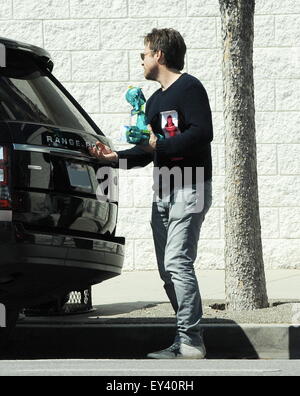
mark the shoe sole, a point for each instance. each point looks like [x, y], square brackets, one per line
[150, 356]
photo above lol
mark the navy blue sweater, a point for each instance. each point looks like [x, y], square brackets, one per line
[182, 114]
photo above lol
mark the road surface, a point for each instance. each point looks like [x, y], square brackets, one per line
[150, 368]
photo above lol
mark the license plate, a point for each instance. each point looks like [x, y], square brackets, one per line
[79, 176]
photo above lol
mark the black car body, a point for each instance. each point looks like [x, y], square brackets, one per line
[56, 233]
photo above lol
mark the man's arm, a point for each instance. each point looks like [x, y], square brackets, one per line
[136, 157]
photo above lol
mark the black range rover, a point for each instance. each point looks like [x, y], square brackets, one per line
[56, 233]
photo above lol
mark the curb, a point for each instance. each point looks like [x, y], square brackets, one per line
[131, 340]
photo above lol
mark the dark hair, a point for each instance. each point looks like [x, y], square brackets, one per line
[171, 43]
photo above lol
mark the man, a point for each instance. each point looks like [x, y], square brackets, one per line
[180, 111]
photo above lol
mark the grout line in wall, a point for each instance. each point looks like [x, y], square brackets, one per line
[71, 65]
[133, 18]
[43, 34]
[60, 19]
[128, 65]
[278, 223]
[100, 104]
[119, 18]
[275, 96]
[277, 160]
[281, 14]
[134, 255]
[287, 144]
[217, 44]
[221, 223]
[216, 49]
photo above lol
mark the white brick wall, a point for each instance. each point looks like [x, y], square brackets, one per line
[95, 45]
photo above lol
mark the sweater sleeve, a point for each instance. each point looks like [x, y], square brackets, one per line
[198, 133]
[135, 156]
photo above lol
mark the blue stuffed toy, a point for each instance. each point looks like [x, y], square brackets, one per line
[138, 133]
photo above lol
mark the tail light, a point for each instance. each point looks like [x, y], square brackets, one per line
[5, 201]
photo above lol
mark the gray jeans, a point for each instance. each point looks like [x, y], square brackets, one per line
[176, 230]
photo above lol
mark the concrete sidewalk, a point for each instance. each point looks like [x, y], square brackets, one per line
[141, 295]
[147, 286]
[132, 317]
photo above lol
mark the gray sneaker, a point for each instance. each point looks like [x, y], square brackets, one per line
[169, 353]
[180, 351]
[192, 352]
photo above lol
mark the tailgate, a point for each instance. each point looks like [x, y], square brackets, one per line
[58, 189]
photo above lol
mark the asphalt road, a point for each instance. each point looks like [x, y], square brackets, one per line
[150, 368]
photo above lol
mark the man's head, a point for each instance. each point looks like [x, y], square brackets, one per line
[163, 48]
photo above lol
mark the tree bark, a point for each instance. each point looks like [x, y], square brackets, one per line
[245, 276]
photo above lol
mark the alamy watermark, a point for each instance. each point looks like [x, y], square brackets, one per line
[176, 185]
[2, 315]
[2, 55]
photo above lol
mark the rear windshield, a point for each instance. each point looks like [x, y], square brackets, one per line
[28, 95]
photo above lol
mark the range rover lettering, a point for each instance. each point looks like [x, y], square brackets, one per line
[55, 234]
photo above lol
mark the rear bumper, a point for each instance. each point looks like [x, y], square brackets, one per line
[36, 267]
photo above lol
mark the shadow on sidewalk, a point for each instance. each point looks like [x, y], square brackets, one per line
[118, 331]
[131, 330]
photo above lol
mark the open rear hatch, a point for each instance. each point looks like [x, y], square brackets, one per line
[63, 203]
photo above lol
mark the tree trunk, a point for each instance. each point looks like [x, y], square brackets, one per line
[245, 276]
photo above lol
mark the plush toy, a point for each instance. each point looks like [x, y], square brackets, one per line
[138, 133]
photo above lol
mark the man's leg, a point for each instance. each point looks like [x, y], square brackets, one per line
[159, 224]
[180, 254]
[180, 248]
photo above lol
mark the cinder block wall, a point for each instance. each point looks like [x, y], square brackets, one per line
[96, 44]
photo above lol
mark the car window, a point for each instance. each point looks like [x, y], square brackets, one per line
[29, 95]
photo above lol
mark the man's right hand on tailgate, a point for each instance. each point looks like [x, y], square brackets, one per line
[103, 152]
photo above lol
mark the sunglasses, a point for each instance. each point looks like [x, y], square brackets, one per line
[142, 54]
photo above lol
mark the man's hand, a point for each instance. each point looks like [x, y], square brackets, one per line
[103, 152]
[152, 142]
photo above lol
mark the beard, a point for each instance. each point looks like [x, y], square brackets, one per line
[151, 75]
